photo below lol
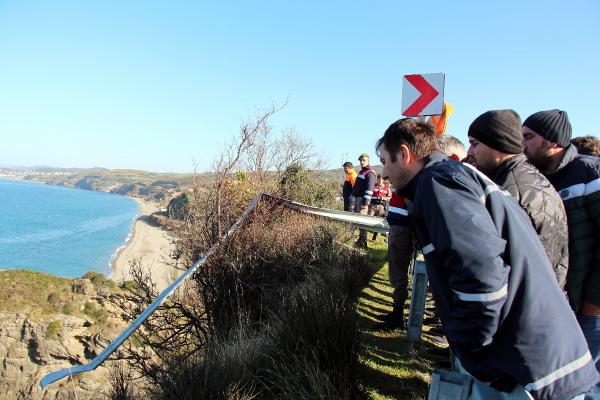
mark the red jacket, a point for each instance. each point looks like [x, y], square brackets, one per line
[381, 192]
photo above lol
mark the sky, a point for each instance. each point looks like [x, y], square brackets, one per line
[162, 86]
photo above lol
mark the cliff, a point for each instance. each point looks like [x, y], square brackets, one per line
[49, 323]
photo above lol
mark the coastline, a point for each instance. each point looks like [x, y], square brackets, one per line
[148, 243]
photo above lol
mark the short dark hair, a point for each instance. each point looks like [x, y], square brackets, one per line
[587, 145]
[417, 135]
[348, 164]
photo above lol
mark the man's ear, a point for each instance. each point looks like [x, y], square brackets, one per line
[404, 154]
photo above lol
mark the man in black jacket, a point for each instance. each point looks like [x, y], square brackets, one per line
[495, 138]
[348, 184]
[503, 313]
[363, 192]
[547, 142]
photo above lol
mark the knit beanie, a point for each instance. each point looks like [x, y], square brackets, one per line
[500, 130]
[553, 125]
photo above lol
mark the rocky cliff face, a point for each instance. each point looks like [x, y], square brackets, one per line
[31, 349]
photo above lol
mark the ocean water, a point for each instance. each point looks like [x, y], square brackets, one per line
[61, 231]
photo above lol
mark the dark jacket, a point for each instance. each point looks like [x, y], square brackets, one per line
[347, 190]
[536, 195]
[577, 182]
[364, 185]
[348, 184]
[502, 309]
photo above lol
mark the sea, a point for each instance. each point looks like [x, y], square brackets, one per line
[62, 231]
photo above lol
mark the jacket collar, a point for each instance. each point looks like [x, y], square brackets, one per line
[508, 164]
[569, 156]
[410, 189]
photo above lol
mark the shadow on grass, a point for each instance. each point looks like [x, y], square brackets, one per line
[389, 366]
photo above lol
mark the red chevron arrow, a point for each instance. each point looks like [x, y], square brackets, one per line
[428, 93]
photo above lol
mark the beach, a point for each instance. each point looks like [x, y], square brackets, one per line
[149, 243]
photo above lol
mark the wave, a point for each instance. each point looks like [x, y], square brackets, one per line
[84, 228]
[125, 243]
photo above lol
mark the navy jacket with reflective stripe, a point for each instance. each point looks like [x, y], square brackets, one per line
[364, 185]
[577, 181]
[502, 309]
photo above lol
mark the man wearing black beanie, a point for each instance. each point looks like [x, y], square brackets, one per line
[495, 144]
[546, 138]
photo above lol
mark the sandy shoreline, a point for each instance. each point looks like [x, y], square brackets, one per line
[150, 243]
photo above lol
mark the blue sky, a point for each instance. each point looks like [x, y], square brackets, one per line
[161, 85]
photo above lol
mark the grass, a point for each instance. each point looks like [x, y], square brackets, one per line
[30, 292]
[40, 295]
[389, 366]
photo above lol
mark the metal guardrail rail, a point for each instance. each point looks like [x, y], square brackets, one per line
[374, 224]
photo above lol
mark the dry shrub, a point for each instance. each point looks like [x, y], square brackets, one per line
[277, 297]
[120, 379]
[279, 306]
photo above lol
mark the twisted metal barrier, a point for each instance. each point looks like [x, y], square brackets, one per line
[374, 224]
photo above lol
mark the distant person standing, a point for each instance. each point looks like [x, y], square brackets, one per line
[348, 185]
[495, 138]
[381, 194]
[547, 142]
[363, 193]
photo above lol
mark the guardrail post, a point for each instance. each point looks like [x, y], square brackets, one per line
[417, 301]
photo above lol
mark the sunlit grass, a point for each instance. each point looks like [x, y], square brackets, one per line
[389, 366]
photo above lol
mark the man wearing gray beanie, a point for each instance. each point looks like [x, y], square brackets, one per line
[546, 139]
[495, 145]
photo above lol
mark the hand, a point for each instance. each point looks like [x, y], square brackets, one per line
[590, 309]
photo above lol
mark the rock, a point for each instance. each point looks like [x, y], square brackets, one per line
[70, 322]
[26, 354]
[17, 350]
[83, 286]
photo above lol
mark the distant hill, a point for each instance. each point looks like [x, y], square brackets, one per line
[152, 186]
[149, 185]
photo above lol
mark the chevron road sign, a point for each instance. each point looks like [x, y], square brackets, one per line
[422, 94]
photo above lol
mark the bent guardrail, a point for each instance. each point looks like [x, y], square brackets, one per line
[375, 224]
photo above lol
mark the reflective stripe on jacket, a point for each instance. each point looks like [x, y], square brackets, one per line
[577, 181]
[397, 213]
[502, 309]
[364, 185]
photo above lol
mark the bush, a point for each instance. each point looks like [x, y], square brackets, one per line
[97, 314]
[127, 285]
[275, 298]
[52, 330]
[68, 308]
[279, 306]
[99, 280]
[299, 184]
[55, 301]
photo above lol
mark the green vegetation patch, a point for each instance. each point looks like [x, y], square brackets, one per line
[31, 292]
[53, 328]
[39, 295]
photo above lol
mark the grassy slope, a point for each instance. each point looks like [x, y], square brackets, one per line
[389, 366]
[41, 295]
[27, 291]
